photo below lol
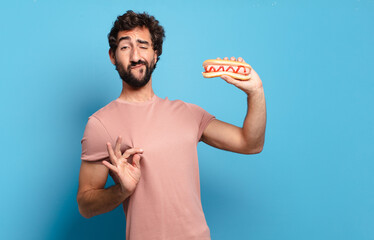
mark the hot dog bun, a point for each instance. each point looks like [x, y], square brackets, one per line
[224, 62]
[218, 67]
[233, 75]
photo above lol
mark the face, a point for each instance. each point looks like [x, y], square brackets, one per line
[134, 58]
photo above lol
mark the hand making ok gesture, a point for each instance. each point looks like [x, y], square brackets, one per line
[128, 173]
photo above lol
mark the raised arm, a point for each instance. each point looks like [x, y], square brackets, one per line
[249, 139]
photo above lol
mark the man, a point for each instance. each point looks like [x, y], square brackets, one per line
[148, 144]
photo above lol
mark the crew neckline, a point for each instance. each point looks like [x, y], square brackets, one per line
[153, 99]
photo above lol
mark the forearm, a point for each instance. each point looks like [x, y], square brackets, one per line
[255, 121]
[98, 201]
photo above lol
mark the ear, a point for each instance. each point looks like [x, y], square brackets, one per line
[112, 57]
[155, 57]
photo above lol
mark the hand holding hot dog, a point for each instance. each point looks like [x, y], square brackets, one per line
[128, 174]
[235, 72]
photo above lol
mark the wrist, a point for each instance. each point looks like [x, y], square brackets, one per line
[255, 91]
[124, 193]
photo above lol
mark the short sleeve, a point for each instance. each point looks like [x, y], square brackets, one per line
[202, 117]
[94, 141]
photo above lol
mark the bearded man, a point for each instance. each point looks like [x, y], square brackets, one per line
[149, 144]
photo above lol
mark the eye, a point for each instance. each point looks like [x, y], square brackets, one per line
[124, 47]
[143, 47]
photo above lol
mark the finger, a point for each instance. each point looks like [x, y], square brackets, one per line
[112, 157]
[225, 77]
[117, 149]
[132, 151]
[229, 79]
[136, 161]
[240, 59]
[218, 58]
[225, 58]
[110, 166]
[233, 59]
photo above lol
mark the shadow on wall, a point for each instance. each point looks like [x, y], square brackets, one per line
[68, 223]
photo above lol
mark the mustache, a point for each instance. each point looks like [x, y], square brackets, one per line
[132, 64]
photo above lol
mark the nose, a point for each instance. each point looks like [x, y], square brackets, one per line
[134, 55]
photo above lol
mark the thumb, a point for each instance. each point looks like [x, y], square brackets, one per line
[136, 160]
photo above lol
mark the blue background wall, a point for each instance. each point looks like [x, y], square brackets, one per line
[314, 179]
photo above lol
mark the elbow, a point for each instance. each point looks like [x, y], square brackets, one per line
[83, 210]
[258, 150]
[253, 145]
[254, 149]
[83, 213]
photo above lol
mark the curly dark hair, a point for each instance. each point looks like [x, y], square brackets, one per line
[131, 20]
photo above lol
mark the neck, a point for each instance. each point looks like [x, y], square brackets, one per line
[143, 94]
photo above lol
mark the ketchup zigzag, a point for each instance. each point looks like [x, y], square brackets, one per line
[219, 67]
[212, 69]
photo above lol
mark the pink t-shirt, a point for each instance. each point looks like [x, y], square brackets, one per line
[166, 203]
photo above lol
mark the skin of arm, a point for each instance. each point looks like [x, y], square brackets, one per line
[92, 198]
[251, 137]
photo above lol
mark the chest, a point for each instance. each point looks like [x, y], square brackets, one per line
[156, 130]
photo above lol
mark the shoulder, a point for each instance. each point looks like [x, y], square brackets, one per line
[180, 103]
[96, 129]
[188, 109]
[105, 111]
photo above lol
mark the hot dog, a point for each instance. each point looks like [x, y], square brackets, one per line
[235, 69]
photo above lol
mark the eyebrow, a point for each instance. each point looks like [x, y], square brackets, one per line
[138, 40]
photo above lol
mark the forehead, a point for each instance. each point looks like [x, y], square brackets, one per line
[136, 33]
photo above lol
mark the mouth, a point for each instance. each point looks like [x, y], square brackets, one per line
[137, 66]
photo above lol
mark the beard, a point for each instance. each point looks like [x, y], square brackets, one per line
[130, 79]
